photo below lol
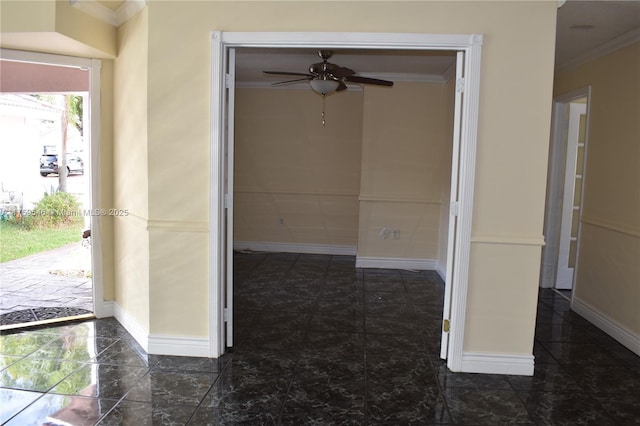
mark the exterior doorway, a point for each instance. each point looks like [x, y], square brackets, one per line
[50, 127]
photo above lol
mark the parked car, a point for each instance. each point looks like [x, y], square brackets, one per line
[49, 164]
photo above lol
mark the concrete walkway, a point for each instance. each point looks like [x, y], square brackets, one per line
[52, 279]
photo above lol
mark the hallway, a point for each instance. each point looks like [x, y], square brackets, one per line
[319, 342]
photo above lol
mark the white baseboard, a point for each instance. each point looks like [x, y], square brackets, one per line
[520, 365]
[295, 248]
[610, 326]
[391, 263]
[105, 310]
[162, 344]
[179, 346]
[132, 326]
[442, 271]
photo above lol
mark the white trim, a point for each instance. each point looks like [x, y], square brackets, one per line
[128, 10]
[97, 10]
[441, 270]
[217, 285]
[178, 346]
[471, 44]
[93, 125]
[489, 363]
[114, 18]
[466, 181]
[613, 328]
[45, 58]
[295, 248]
[620, 42]
[515, 241]
[390, 198]
[158, 344]
[555, 183]
[392, 263]
[107, 309]
[132, 325]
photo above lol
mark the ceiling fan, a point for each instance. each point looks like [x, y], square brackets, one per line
[326, 78]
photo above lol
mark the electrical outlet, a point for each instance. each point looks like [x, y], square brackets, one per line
[383, 233]
[395, 234]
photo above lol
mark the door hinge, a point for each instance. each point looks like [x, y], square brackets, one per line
[455, 208]
[460, 85]
[446, 325]
[226, 201]
[228, 81]
[225, 314]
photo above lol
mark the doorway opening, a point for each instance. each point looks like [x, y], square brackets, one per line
[465, 130]
[52, 263]
[565, 183]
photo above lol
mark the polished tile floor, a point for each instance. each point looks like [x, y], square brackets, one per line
[318, 342]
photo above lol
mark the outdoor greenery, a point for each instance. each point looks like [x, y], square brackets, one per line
[53, 211]
[17, 241]
[53, 222]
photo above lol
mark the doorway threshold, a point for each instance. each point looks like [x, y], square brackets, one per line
[36, 317]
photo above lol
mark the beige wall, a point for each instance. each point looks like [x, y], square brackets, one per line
[290, 167]
[509, 192]
[55, 27]
[509, 200]
[608, 272]
[405, 162]
[130, 171]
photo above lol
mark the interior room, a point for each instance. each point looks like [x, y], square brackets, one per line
[312, 287]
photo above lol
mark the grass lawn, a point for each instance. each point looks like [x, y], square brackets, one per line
[17, 242]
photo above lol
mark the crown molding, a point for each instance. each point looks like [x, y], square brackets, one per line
[114, 18]
[611, 46]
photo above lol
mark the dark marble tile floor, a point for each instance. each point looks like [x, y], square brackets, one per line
[318, 342]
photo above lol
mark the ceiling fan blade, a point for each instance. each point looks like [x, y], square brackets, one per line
[342, 72]
[341, 87]
[280, 83]
[367, 80]
[287, 73]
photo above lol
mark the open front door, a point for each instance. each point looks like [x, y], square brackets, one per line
[453, 212]
[228, 188]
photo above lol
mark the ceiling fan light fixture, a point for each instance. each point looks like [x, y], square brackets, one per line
[324, 86]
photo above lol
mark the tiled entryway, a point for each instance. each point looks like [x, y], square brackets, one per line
[319, 342]
[48, 285]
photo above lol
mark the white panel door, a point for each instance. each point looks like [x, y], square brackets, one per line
[571, 201]
[453, 212]
[229, 150]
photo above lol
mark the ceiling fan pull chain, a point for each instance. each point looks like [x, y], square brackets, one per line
[324, 97]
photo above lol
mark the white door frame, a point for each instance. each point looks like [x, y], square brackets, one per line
[93, 128]
[556, 182]
[470, 44]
